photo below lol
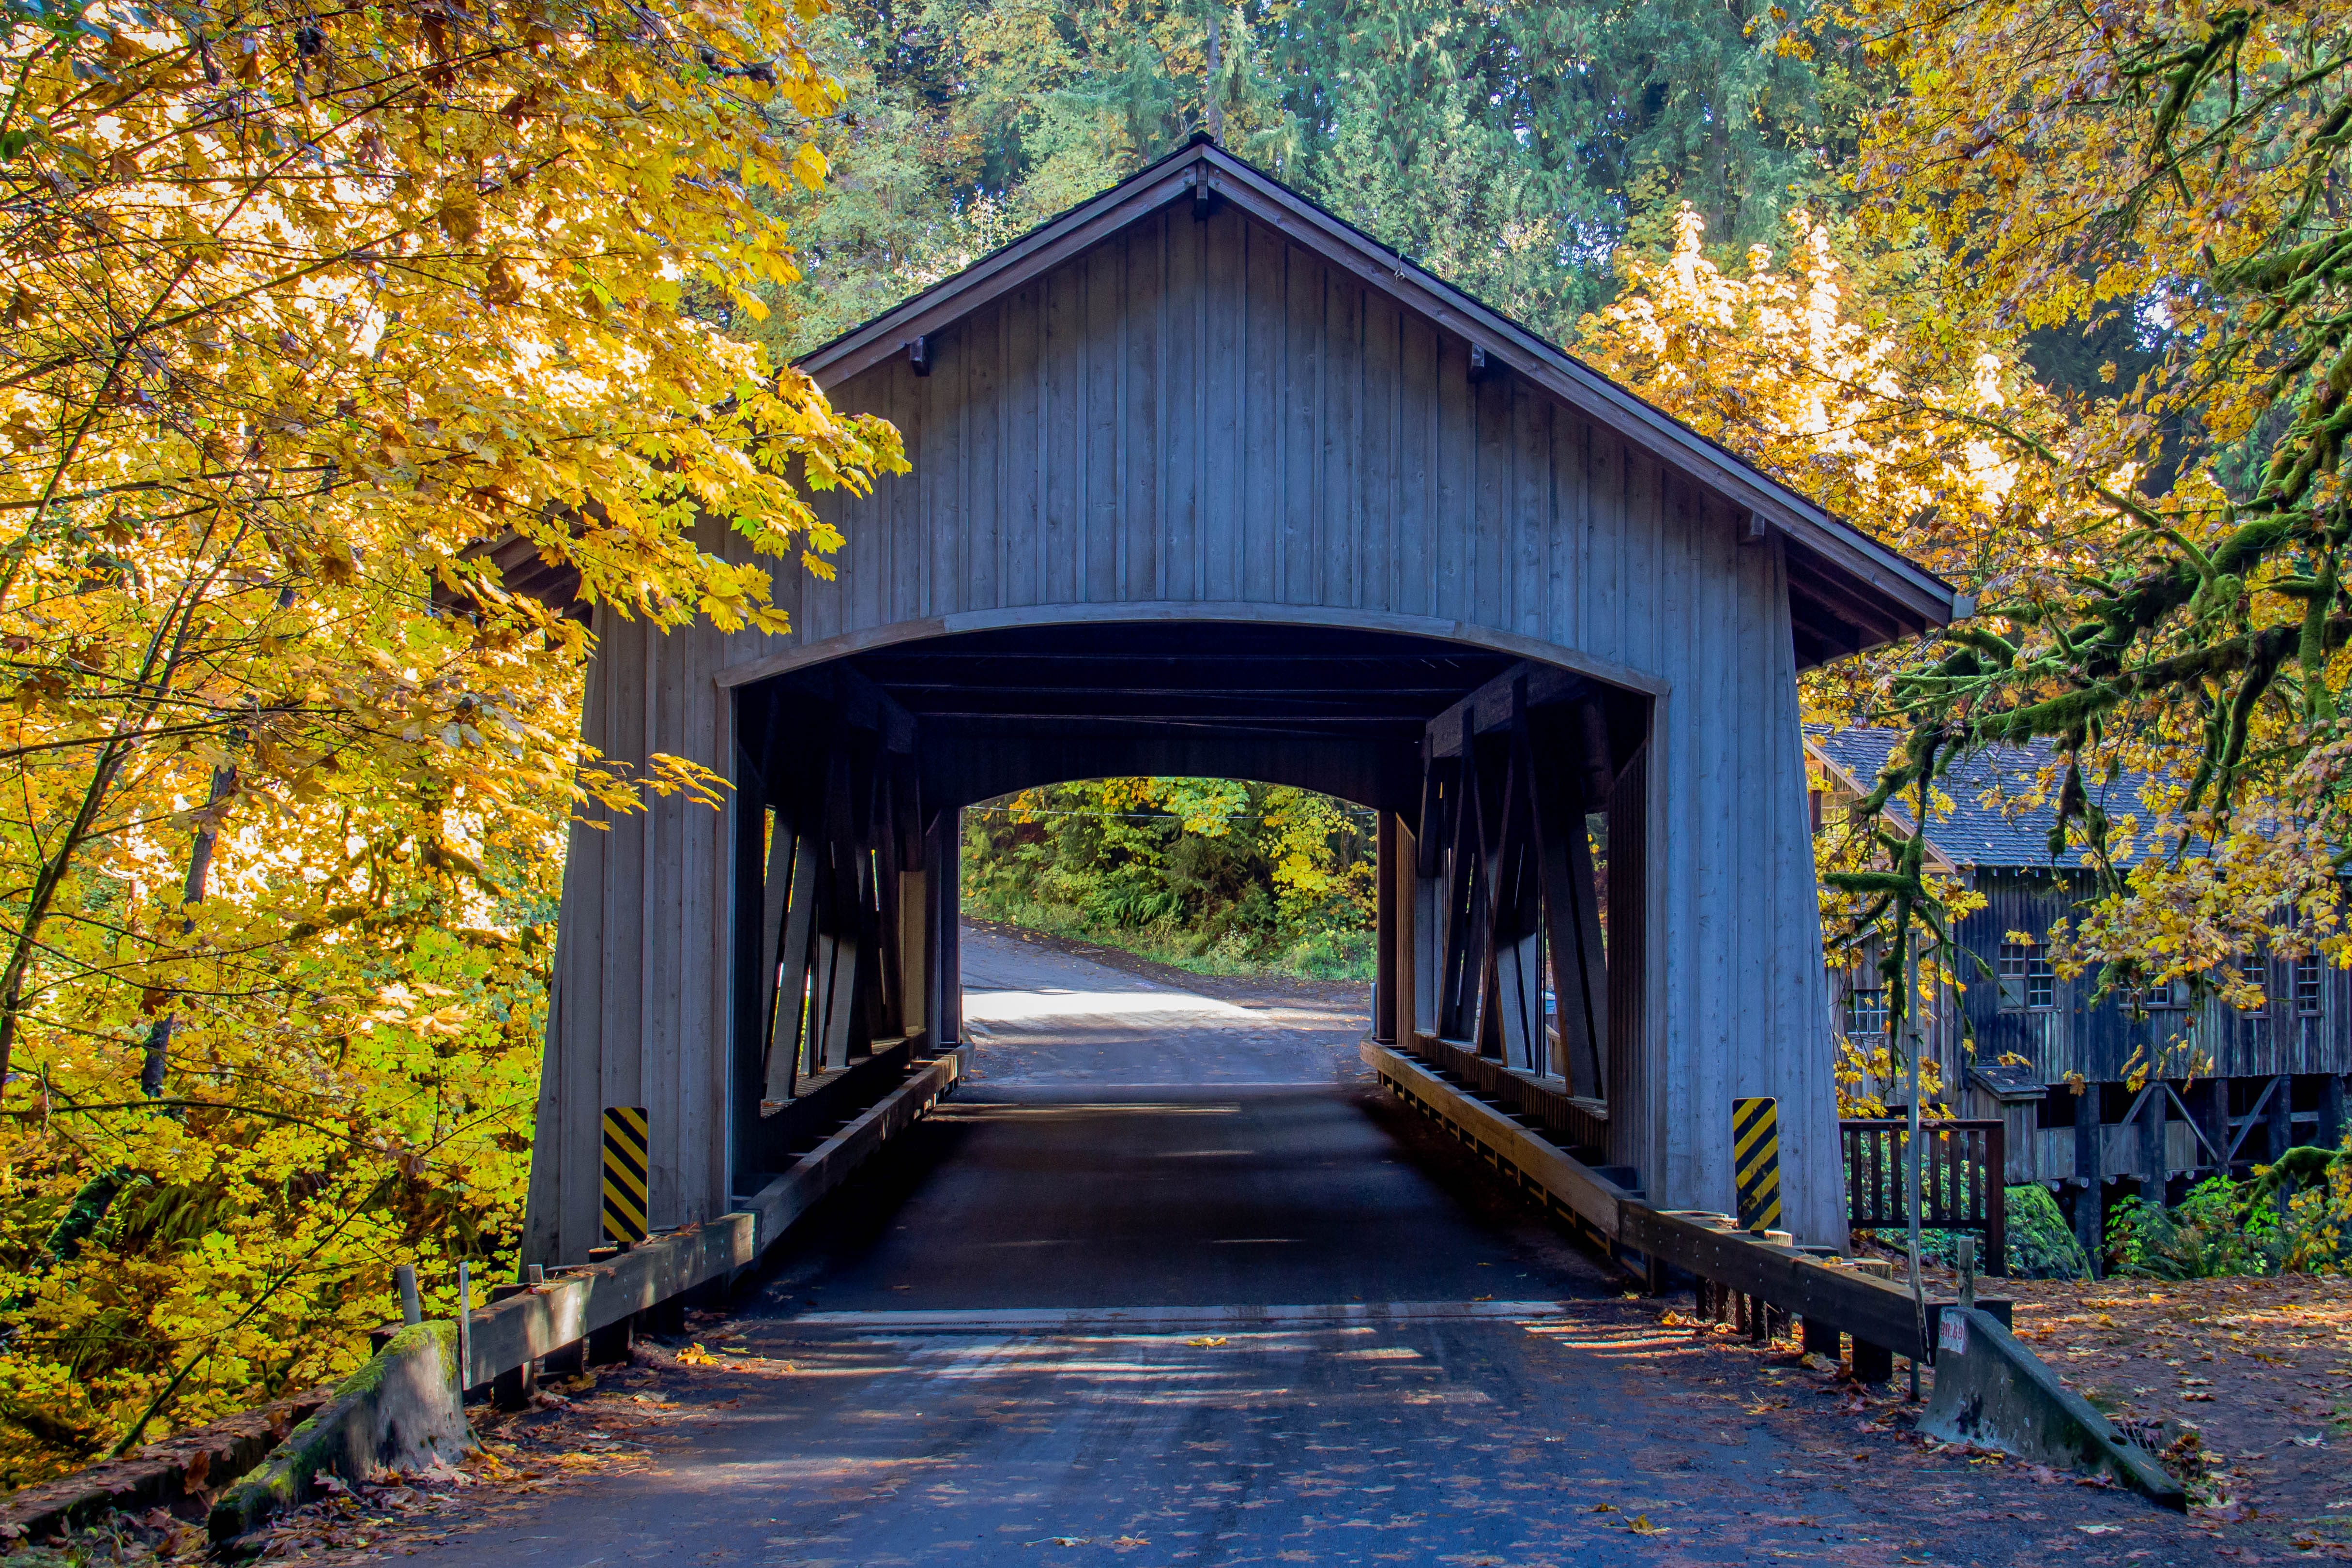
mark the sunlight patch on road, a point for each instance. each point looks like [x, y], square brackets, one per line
[1141, 1008]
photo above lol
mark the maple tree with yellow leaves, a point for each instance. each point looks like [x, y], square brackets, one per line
[2186, 166]
[301, 305]
[1885, 426]
[2158, 572]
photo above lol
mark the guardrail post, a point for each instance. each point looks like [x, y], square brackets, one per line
[1872, 1363]
[412, 1306]
[510, 1390]
[1824, 1339]
[667, 1316]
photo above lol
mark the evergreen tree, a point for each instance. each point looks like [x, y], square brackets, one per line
[1512, 147]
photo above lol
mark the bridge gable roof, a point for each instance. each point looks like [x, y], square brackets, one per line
[1848, 591]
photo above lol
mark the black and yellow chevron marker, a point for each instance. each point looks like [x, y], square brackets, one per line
[1755, 1157]
[625, 1164]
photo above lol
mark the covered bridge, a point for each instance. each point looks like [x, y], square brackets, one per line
[1205, 481]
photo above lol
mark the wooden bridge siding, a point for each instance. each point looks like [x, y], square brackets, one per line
[1390, 482]
[1733, 878]
[1121, 433]
[637, 1013]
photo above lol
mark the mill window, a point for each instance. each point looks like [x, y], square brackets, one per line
[2028, 982]
[2308, 989]
[2256, 972]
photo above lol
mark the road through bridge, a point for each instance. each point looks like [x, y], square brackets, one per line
[1168, 1281]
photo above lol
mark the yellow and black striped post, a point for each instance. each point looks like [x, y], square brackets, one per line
[625, 1162]
[1755, 1158]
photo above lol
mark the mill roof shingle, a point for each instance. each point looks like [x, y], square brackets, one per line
[2000, 812]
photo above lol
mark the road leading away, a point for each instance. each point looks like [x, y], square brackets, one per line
[1168, 1282]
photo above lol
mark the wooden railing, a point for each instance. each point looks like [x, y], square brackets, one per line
[1831, 1297]
[1962, 1166]
[1580, 1127]
[556, 1319]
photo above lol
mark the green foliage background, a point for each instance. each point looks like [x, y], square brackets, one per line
[1216, 875]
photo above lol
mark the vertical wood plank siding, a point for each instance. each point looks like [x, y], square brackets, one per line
[1202, 414]
[2098, 1039]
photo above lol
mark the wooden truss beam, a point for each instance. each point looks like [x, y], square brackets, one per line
[1509, 774]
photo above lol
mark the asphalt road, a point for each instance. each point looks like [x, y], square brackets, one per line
[1269, 1318]
[1043, 1019]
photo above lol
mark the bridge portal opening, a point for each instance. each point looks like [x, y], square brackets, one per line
[1206, 482]
[1169, 932]
[1500, 791]
[1214, 876]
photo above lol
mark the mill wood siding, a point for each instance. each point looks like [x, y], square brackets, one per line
[2098, 1041]
[1200, 420]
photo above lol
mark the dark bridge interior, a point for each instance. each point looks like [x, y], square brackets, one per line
[1484, 769]
[1329, 709]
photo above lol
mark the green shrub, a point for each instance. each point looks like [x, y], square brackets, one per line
[1217, 876]
[2040, 1247]
[2222, 1226]
[2203, 1237]
[1332, 956]
[2040, 1244]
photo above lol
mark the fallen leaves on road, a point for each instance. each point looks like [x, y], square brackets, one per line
[1210, 1342]
[1640, 1525]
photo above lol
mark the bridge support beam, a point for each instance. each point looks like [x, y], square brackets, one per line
[1517, 780]
[844, 929]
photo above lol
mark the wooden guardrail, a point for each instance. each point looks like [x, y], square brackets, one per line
[1962, 1168]
[1575, 1125]
[1876, 1313]
[575, 1303]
